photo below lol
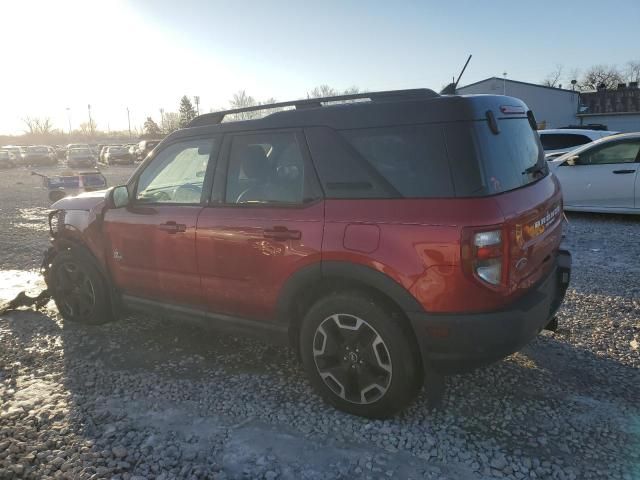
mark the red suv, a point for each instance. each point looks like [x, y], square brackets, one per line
[388, 237]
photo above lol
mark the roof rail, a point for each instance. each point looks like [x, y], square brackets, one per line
[390, 95]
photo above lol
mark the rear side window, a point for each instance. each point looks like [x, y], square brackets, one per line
[559, 141]
[412, 159]
[385, 162]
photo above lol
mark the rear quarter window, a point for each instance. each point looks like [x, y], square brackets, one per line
[383, 162]
[412, 159]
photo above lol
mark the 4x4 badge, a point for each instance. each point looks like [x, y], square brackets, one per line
[116, 255]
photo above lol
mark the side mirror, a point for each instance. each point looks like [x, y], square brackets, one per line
[572, 161]
[119, 197]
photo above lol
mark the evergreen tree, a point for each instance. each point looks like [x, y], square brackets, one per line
[151, 128]
[187, 112]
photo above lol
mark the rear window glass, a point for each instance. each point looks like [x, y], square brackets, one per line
[512, 159]
[558, 141]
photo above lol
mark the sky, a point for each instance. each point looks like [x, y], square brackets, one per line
[60, 56]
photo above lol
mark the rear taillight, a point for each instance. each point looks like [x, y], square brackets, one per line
[484, 255]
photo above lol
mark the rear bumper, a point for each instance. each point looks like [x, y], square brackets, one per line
[454, 343]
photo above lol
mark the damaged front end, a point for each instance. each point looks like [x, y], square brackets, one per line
[74, 223]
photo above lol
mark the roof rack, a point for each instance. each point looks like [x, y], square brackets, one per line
[390, 95]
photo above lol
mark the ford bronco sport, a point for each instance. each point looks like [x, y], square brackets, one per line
[389, 237]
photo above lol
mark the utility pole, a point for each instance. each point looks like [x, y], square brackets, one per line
[90, 121]
[162, 118]
[129, 122]
[504, 83]
[196, 99]
[69, 118]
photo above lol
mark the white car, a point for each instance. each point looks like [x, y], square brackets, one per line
[601, 176]
[556, 142]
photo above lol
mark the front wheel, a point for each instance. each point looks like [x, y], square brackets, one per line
[79, 289]
[360, 355]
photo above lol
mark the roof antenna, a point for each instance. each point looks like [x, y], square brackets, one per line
[451, 88]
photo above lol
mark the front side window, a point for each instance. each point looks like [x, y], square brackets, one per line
[176, 174]
[622, 152]
[265, 168]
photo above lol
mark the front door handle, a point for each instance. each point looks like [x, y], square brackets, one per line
[282, 233]
[172, 227]
[623, 172]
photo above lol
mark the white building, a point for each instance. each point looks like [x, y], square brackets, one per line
[552, 107]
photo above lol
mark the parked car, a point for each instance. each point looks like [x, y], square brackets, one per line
[133, 151]
[80, 157]
[601, 176]
[145, 147]
[363, 234]
[559, 141]
[6, 160]
[77, 145]
[61, 152]
[38, 155]
[14, 154]
[117, 154]
[71, 183]
[102, 152]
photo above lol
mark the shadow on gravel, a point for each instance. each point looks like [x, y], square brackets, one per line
[187, 399]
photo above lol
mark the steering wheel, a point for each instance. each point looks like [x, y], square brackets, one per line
[188, 193]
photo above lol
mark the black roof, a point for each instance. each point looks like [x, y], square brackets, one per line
[400, 107]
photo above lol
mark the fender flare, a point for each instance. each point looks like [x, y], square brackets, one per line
[307, 276]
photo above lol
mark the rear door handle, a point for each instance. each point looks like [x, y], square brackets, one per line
[282, 233]
[623, 172]
[173, 227]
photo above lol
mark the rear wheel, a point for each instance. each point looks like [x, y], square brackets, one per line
[359, 355]
[79, 289]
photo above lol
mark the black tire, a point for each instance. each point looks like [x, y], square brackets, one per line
[79, 289]
[362, 342]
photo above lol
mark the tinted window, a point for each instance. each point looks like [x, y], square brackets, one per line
[511, 159]
[558, 141]
[622, 152]
[176, 174]
[266, 168]
[411, 159]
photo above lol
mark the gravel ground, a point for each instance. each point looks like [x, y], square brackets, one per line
[151, 398]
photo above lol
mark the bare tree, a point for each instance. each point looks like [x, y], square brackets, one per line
[553, 79]
[31, 125]
[171, 121]
[44, 125]
[322, 91]
[632, 71]
[242, 100]
[600, 75]
[38, 126]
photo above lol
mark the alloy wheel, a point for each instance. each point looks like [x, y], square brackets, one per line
[352, 359]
